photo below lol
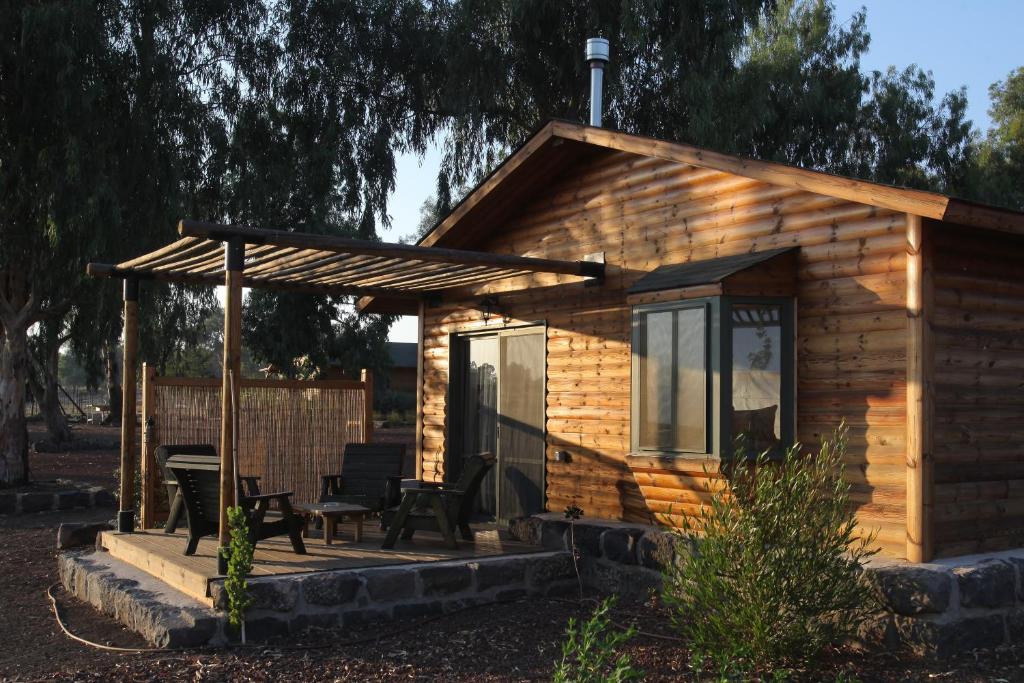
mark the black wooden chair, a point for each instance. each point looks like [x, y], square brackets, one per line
[371, 475]
[176, 505]
[198, 478]
[440, 507]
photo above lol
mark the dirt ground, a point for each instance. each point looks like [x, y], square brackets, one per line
[512, 642]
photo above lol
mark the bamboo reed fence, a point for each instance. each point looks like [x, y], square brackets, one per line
[290, 432]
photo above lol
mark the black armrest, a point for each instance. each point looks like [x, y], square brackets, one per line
[435, 492]
[272, 496]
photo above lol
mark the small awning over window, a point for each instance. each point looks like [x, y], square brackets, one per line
[767, 266]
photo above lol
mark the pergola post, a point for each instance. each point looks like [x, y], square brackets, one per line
[234, 261]
[126, 509]
[366, 377]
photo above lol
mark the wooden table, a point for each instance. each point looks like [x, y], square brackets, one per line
[332, 513]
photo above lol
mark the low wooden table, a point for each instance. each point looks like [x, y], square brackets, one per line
[332, 513]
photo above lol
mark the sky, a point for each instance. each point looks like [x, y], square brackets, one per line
[963, 43]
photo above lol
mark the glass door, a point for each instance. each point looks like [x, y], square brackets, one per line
[498, 407]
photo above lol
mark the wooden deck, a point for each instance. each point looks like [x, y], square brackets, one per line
[161, 555]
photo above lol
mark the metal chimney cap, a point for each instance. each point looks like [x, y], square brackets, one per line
[597, 49]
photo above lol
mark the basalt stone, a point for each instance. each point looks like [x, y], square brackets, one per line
[913, 589]
[323, 620]
[74, 534]
[950, 637]
[68, 500]
[586, 537]
[103, 498]
[525, 529]
[620, 545]
[445, 580]
[1015, 626]
[546, 570]
[879, 631]
[275, 595]
[499, 573]
[330, 588]
[36, 502]
[657, 549]
[265, 628]
[553, 534]
[990, 583]
[1018, 565]
[388, 585]
[632, 584]
[8, 503]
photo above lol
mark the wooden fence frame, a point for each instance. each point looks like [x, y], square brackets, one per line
[151, 380]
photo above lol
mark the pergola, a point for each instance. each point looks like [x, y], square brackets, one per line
[237, 257]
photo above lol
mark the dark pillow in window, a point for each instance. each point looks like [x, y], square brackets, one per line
[757, 428]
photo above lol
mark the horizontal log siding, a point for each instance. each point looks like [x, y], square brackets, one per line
[643, 213]
[979, 391]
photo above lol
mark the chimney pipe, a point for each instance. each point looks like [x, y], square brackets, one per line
[597, 57]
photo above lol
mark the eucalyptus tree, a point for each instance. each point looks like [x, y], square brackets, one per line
[1001, 155]
[774, 79]
[54, 129]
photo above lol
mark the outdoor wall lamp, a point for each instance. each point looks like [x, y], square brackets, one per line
[489, 304]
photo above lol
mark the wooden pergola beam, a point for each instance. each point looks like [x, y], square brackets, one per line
[345, 245]
[108, 270]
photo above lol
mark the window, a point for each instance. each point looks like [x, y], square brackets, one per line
[756, 376]
[712, 376]
[673, 380]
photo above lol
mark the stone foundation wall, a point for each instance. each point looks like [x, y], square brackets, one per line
[56, 498]
[937, 609]
[354, 597]
[287, 604]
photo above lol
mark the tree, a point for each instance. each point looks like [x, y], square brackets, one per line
[1001, 154]
[779, 81]
[54, 120]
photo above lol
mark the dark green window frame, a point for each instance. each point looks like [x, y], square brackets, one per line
[718, 359]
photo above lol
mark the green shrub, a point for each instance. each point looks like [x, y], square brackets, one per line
[589, 653]
[776, 575]
[239, 556]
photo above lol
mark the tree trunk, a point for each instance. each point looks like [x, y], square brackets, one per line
[13, 427]
[113, 384]
[45, 386]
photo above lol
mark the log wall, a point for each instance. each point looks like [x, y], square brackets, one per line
[978, 433]
[641, 213]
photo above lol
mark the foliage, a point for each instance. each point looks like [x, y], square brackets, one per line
[590, 651]
[302, 336]
[1001, 173]
[777, 80]
[777, 572]
[239, 556]
[390, 401]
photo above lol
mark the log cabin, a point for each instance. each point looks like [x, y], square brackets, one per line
[608, 313]
[738, 297]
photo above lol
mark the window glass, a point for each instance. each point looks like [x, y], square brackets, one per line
[673, 380]
[756, 376]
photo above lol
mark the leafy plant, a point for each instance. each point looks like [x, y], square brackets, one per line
[589, 653]
[777, 572]
[239, 556]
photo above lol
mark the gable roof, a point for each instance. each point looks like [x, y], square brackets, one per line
[705, 272]
[559, 144]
